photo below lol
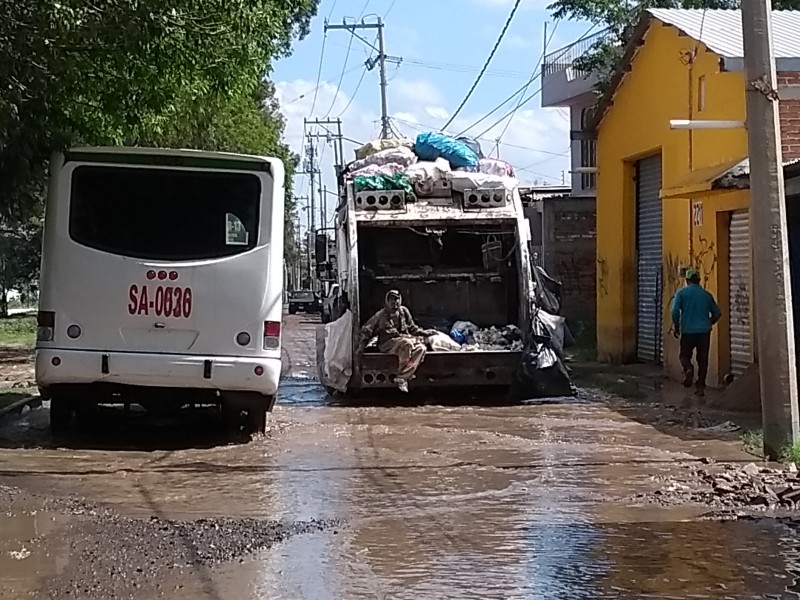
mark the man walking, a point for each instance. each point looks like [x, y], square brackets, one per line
[694, 314]
[399, 335]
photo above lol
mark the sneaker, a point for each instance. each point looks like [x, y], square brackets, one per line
[402, 385]
[688, 376]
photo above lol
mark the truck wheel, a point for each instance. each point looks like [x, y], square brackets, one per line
[61, 410]
[292, 310]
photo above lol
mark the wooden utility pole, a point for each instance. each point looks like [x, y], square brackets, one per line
[774, 321]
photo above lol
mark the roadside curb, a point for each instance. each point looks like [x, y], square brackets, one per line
[34, 401]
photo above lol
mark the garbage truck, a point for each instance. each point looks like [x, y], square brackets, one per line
[457, 248]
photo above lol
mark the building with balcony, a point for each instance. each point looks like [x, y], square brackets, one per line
[565, 85]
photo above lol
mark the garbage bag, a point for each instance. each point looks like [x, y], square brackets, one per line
[338, 352]
[428, 171]
[378, 145]
[462, 330]
[402, 156]
[463, 180]
[495, 166]
[473, 144]
[380, 182]
[542, 372]
[547, 293]
[389, 170]
[443, 343]
[430, 146]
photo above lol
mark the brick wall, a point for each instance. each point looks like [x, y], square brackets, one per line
[790, 117]
[570, 254]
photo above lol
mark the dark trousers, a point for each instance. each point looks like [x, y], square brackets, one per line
[701, 343]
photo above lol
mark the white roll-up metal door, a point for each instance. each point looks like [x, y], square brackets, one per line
[739, 269]
[649, 338]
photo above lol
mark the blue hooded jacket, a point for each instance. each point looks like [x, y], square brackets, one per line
[694, 310]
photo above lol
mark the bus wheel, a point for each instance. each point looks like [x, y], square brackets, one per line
[61, 410]
[256, 421]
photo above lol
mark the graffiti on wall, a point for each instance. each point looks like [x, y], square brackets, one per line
[705, 259]
[674, 268]
[602, 277]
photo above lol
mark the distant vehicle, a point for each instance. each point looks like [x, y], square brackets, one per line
[303, 301]
[330, 304]
[161, 282]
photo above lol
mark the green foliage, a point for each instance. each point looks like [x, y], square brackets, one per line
[137, 72]
[19, 259]
[17, 332]
[619, 17]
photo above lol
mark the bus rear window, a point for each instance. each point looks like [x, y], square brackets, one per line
[161, 214]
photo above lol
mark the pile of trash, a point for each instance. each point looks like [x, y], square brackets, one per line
[470, 337]
[415, 165]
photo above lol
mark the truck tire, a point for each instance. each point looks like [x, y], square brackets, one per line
[292, 310]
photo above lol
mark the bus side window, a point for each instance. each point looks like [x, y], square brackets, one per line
[236, 233]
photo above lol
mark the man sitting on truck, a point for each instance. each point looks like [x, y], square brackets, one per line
[399, 335]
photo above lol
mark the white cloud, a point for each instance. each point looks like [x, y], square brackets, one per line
[415, 91]
[519, 42]
[532, 142]
[437, 112]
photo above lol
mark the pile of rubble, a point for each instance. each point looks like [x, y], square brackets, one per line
[731, 486]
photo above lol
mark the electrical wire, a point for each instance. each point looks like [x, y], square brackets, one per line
[486, 64]
[388, 10]
[346, 58]
[304, 94]
[521, 90]
[319, 74]
[353, 95]
[533, 76]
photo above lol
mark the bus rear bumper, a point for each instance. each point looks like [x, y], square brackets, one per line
[60, 368]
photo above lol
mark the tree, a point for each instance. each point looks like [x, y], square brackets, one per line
[135, 72]
[620, 17]
[19, 259]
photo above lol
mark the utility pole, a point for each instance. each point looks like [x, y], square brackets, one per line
[386, 130]
[774, 320]
[336, 139]
[299, 240]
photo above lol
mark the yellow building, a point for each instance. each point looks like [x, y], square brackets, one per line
[662, 200]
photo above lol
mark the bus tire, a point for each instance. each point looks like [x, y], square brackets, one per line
[256, 421]
[61, 410]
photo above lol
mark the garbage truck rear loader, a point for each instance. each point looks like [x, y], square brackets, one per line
[461, 261]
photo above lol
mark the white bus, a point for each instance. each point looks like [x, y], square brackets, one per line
[161, 283]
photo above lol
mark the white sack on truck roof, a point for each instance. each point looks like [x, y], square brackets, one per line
[379, 145]
[461, 180]
[400, 156]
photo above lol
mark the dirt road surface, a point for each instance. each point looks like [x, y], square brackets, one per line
[386, 499]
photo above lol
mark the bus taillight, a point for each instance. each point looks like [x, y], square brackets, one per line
[272, 334]
[45, 325]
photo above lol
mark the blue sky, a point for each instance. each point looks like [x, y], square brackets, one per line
[443, 44]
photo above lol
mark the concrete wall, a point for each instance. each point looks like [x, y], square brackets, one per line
[564, 229]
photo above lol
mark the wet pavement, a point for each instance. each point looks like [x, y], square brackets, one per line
[383, 499]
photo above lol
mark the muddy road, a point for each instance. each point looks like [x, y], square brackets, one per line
[381, 500]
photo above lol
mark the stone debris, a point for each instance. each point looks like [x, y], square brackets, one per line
[731, 486]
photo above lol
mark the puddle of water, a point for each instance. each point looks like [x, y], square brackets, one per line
[498, 558]
[26, 560]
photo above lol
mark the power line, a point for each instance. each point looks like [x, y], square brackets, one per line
[391, 6]
[353, 95]
[521, 90]
[451, 67]
[346, 58]
[486, 64]
[423, 127]
[319, 73]
[533, 76]
[303, 95]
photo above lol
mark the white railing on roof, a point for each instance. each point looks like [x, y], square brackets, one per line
[563, 58]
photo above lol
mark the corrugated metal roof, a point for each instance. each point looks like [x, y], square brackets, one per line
[739, 175]
[721, 32]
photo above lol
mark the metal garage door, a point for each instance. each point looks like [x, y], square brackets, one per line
[649, 339]
[739, 265]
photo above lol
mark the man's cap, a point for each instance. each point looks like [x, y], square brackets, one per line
[393, 294]
[692, 273]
